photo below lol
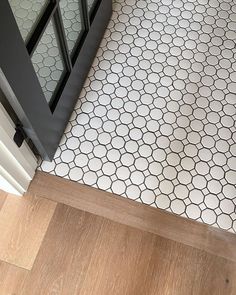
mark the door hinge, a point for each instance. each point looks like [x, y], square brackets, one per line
[20, 135]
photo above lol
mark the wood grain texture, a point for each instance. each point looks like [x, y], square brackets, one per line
[11, 279]
[65, 253]
[129, 261]
[23, 223]
[86, 254]
[3, 196]
[137, 215]
[185, 270]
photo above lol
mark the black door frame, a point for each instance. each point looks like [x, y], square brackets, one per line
[45, 125]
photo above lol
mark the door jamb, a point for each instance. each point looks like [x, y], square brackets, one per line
[17, 165]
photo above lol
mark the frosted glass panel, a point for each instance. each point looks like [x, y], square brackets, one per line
[71, 17]
[91, 4]
[27, 14]
[48, 63]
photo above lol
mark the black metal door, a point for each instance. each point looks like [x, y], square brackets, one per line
[46, 50]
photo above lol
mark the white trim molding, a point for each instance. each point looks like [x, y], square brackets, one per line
[17, 165]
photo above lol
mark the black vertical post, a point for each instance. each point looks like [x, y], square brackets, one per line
[85, 14]
[60, 33]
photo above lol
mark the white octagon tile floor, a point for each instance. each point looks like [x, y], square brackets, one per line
[155, 121]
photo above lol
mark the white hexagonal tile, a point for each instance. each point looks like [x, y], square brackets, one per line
[227, 206]
[193, 211]
[178, 206]
[209, 216]
[211, 201]
[224, 221]
[148, 197]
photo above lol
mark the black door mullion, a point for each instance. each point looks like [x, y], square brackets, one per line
[61, 36]
[85, 14]
[63, 47]
[41, 26]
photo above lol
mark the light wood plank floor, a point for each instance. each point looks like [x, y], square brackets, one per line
[76, 252]
[3, 196]
[23, 224]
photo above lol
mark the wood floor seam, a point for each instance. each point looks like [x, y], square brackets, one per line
[118, 209]
[23, 222]
[3, 196]
[14, 265]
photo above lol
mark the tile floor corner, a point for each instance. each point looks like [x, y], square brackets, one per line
[155, 121]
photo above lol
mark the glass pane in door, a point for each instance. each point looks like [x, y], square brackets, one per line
[72, 21]
[48, 63]
[27, 13]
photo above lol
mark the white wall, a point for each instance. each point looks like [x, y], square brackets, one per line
[17, 165]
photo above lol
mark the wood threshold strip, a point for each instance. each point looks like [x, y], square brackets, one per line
[128, 212]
